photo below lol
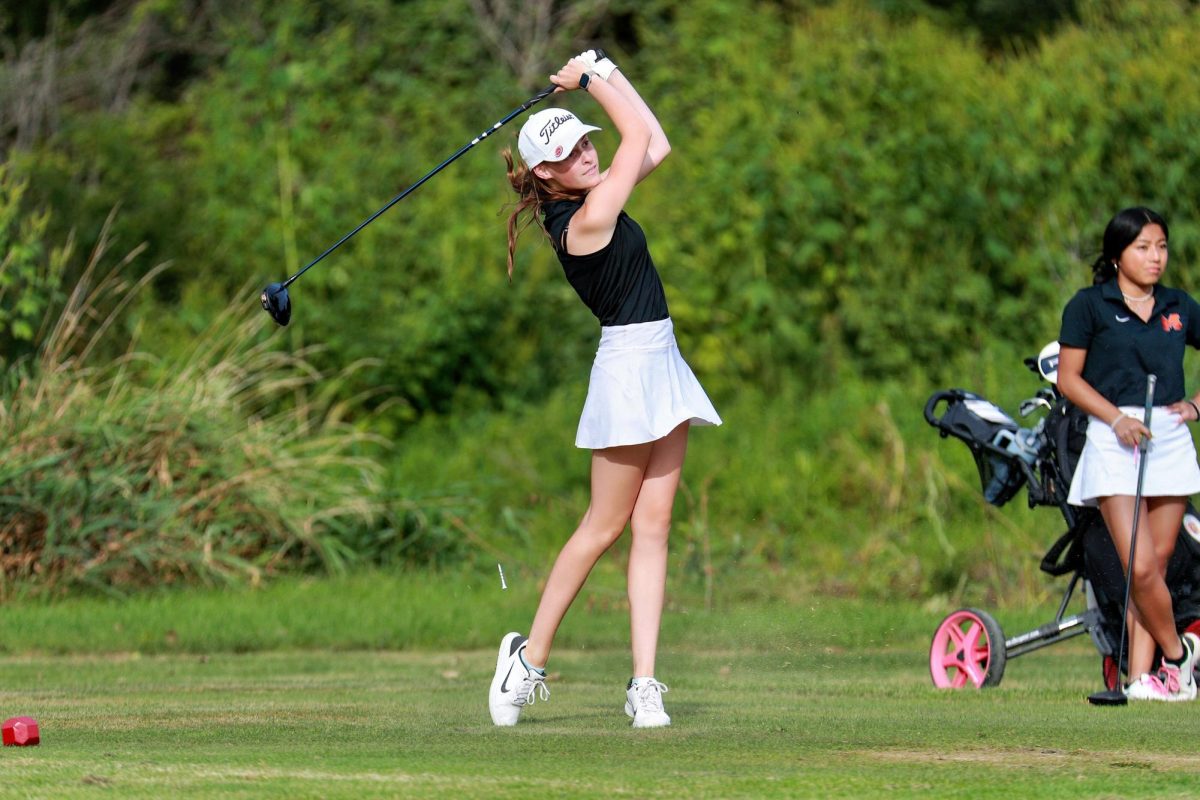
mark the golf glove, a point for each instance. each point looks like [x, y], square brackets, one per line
[603, 67]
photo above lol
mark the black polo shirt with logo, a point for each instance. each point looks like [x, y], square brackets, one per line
[1122, 350]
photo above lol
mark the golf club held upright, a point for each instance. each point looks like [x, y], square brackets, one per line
[1117, 697]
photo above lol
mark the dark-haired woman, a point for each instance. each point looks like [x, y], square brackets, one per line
[642, 397]
[1116, 333]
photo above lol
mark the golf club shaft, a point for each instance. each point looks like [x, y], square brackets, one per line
[1137, 510]
[537, 98]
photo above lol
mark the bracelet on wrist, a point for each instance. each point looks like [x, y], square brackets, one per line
[1194, 407]
[1119, 417]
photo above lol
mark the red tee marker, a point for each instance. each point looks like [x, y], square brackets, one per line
[20, 731]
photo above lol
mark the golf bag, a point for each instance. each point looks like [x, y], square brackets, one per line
[969, 645]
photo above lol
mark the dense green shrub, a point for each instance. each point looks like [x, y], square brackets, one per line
[863, 200]
[853, 191]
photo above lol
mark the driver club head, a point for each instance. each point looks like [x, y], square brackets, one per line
[275, 301]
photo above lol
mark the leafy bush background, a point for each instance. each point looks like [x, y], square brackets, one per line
[867, 201]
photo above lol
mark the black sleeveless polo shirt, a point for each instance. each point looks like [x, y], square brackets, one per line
[618, 282]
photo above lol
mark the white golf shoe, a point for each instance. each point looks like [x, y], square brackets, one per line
[1191, 643]
[1179, 681]
[644, 704]
[514, 686]
[1146, 687]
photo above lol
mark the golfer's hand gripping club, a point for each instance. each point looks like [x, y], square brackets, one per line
[274, 297]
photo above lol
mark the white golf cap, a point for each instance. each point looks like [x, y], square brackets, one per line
[550, 135]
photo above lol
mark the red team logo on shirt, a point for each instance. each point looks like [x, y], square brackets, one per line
[1171, 323]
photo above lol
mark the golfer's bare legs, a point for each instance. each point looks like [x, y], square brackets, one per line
[1141, 645]
[1158, 527]
[650, 526]
[616, 481]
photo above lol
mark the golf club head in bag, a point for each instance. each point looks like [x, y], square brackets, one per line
[1047, 362]
[275, 301]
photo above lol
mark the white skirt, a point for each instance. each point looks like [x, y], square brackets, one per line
[641, 389]
[1106, 467]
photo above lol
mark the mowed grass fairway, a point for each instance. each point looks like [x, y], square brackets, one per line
[415, 725]
[823, 705]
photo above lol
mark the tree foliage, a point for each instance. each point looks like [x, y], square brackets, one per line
[865, 198]
[853, 189]
[30, 277]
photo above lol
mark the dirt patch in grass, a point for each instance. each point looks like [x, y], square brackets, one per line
[1039, 757]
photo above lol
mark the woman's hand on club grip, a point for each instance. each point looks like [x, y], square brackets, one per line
[567, 77]
[1130, 430]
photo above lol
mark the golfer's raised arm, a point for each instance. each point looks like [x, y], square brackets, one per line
[605, 202]
[660, 146]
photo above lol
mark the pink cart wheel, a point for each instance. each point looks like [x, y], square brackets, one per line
[967, 648]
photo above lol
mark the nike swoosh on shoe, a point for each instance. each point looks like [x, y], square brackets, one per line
[504, 683]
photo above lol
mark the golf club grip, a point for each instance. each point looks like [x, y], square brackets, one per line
[1151, 380]
[537, 98]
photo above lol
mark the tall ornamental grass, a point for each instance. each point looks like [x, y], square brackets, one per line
[226, 464]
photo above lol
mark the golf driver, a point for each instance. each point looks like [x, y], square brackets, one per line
[1116, 697]
[275, 300]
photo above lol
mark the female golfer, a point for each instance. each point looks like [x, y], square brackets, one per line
[642, 396]
[1115, 333]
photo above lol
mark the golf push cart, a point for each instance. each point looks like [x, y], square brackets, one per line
[969, 647]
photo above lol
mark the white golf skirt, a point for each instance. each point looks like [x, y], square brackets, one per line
[641, 389]
[1107, 468]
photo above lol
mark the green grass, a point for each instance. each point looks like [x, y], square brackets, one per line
[455, 610]
[375, 686]
[808, 721]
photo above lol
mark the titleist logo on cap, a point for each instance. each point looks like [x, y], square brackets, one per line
[552, 125]
[549, 135]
